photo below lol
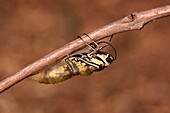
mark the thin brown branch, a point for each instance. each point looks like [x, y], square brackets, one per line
[134, 21]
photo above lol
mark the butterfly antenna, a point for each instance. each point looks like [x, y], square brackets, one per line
[108, 44]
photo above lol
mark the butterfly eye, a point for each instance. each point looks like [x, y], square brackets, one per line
[109, 59]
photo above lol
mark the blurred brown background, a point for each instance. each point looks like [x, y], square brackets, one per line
[137, 82]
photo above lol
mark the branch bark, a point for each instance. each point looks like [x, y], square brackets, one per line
[134, 21]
